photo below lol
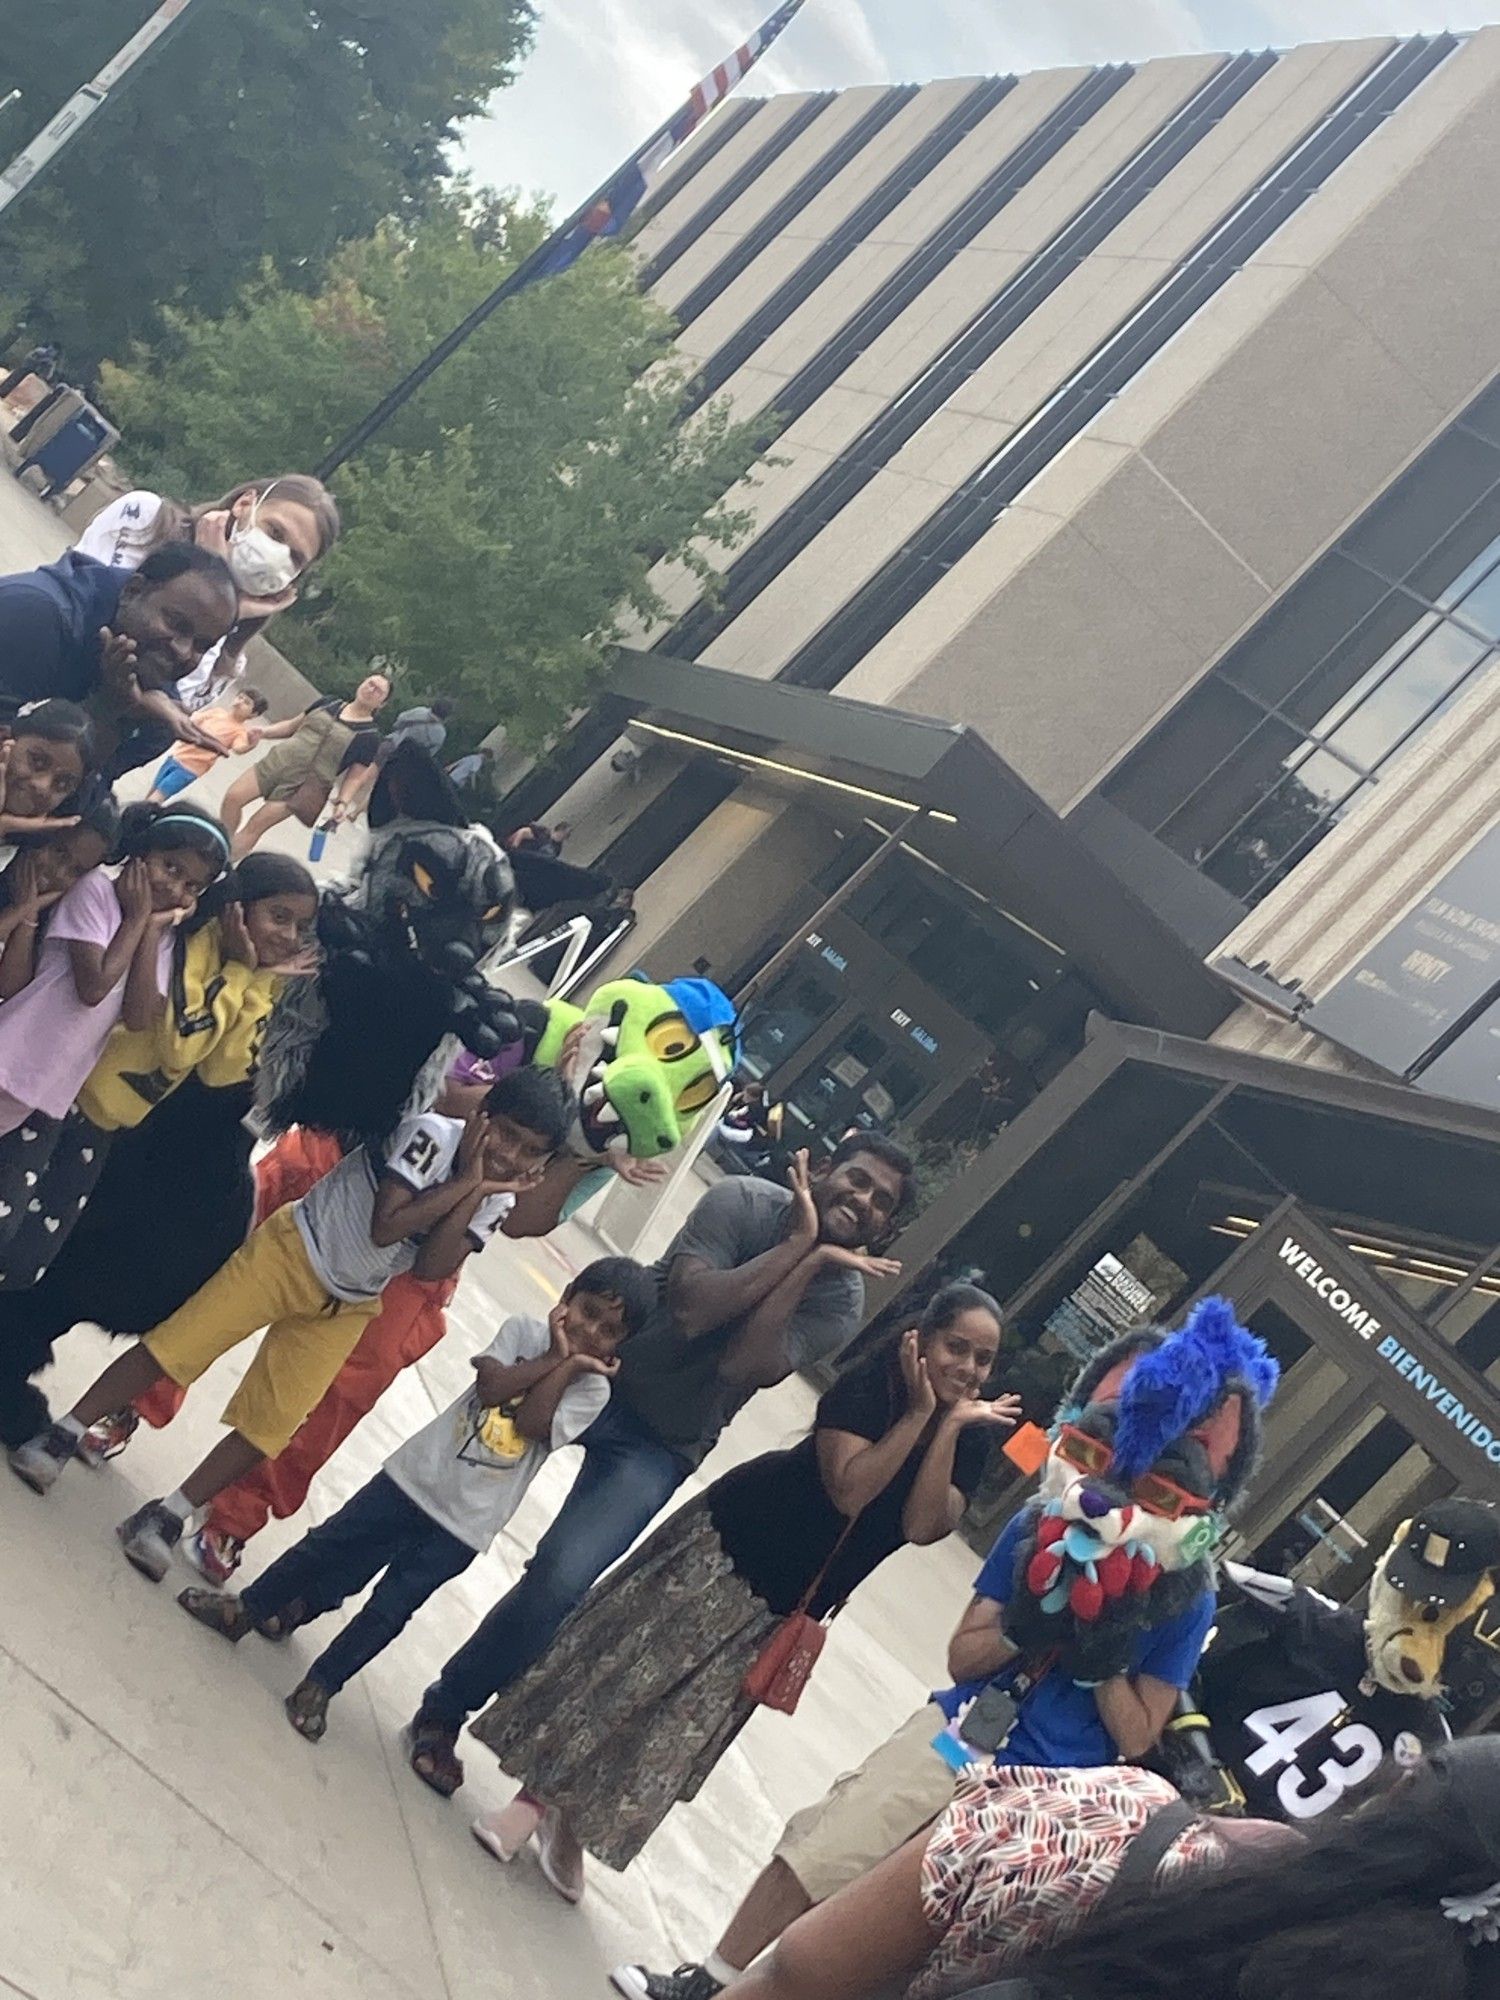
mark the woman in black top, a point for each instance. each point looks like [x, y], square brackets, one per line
[641, 1692]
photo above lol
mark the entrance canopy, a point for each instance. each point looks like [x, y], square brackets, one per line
[960, 807]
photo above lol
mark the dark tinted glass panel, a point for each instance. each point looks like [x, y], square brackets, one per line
[1445, 570]
[1227, 794]
[779, 1025]
[1190, 743]
[1341, 680]
[1302, 629]
[1286, 825]
[1441, 488]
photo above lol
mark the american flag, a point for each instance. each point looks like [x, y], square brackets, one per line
[625, 193]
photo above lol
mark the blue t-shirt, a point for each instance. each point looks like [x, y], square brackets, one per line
[1058, 1724]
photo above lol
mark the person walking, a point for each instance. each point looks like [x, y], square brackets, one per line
[645, 1687]
[322, 755]
[760, 1281]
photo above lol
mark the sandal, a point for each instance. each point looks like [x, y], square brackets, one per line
[219, 1610]
[282, 1624]
[307, 1710]
[431, 1750]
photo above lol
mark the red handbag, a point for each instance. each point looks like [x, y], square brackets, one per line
[782, 1668]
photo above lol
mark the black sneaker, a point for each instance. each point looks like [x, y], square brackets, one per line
[688, 1982]
[39, 1462]
[148, 1538]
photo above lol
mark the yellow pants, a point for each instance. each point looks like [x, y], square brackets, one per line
[269, 1282]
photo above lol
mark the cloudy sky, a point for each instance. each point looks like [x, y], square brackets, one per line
[606, 72]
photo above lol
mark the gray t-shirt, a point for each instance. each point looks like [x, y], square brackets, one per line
[672, 1384]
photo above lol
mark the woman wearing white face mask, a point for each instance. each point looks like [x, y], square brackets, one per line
[269, 531]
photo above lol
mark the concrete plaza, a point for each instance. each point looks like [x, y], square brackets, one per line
[168, 1837]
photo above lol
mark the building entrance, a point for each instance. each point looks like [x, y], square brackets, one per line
[848, 1038]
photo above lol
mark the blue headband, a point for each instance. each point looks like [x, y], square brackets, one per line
[194, 819]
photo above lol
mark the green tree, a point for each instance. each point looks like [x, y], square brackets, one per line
[503, 528]
[265, 128]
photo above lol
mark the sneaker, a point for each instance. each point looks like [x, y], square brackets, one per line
[214, 1554]
[108, 1438]
[559, 1856]
[688, 1982]
[40, 1461]
[148, 1538]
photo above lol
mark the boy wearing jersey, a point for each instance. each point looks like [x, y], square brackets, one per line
[312, 1276]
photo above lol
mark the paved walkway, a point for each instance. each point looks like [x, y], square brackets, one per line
[166, 1835]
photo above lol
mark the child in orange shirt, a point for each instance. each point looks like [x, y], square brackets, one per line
[230, 726]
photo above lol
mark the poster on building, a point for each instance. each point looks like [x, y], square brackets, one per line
[1425, 974]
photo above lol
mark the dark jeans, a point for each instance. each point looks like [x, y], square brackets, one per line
[628, 1476]
[379, 1529]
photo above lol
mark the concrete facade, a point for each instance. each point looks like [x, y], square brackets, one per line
[1207, 484]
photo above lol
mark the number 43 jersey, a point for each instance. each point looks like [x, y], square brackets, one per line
[1286, 1697]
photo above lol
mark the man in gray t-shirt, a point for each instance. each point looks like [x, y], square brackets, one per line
[760, 1281]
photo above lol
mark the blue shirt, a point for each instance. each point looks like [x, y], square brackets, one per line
[1058, 1724]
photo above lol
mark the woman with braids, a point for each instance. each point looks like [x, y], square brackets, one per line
[1027, 1881]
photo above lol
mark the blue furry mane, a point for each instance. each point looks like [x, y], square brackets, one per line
[1176, 1385]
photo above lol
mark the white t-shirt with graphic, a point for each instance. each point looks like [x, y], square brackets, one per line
[337, 1213]
[470, 1468]
[120, 537]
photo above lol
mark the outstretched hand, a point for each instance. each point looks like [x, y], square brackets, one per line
[862, 1261]
[1004, 1411]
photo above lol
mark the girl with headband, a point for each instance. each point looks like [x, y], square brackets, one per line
[105, 961]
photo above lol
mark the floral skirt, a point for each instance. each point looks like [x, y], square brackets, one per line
[639, 1695]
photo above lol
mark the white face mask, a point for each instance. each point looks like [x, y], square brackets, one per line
[261, 566]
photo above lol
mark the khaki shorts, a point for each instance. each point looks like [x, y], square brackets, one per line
[899, 1789]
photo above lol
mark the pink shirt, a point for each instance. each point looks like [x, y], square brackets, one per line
[49, 1041]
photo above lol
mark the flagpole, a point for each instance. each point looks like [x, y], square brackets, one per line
[524, 274]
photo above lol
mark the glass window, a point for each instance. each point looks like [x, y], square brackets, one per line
[1350, 666]
[1285, 825]
[777, 1026]
[1350, 670]
[1469, 540]
[1225, 795]
[1416, 513]
[1302, 628]
[1476, 597]
[1410, 692]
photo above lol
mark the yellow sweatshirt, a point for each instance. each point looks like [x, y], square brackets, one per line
[213, 1022]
